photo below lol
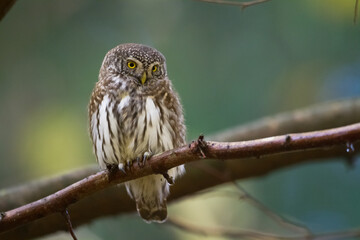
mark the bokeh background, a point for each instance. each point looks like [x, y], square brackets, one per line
[229, 67]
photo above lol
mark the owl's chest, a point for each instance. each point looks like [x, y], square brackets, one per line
[146, 126]
[127, 128]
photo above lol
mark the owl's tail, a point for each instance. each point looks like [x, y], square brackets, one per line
[152, 211]
[150, 194]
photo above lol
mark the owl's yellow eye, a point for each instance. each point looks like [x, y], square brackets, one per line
[154, 68]
[131, 64]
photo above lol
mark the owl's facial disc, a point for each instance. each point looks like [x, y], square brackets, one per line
[136, 69]
[143, 71]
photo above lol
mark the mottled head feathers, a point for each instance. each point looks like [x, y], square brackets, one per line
[116, 60]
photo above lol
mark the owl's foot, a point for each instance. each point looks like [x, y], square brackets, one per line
[142, 160]
[125, 167]
[128, 165]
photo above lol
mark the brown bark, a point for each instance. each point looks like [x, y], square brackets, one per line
[343, 137]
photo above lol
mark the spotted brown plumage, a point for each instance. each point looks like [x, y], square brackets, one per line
[134, 112]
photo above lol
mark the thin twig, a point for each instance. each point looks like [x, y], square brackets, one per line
[243, 5]
[66, 215]
[274, 216]
[244, 195]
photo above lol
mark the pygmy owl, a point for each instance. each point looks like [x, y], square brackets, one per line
[134, 113]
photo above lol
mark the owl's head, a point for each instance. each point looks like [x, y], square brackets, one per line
[137, 63]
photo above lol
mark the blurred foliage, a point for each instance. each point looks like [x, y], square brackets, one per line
[229, 67]
[56, 136]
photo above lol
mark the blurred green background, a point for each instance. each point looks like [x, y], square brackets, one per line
[229, 67]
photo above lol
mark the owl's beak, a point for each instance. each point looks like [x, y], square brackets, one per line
[143, 78]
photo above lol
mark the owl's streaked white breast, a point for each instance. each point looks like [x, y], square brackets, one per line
[157, 128]
[104, 125]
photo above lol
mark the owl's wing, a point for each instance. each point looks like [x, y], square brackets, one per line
[105, 132]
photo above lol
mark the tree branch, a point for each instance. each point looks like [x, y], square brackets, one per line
[243, 5]
[320, 116]
[158, 164]
[5, 6]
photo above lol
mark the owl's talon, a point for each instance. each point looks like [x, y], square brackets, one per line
[121, 167]
[146, 157]
[142, 160]
[128, 164]
[138, 161]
